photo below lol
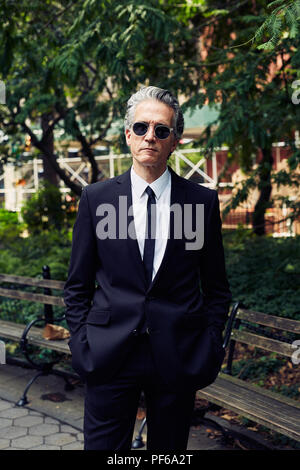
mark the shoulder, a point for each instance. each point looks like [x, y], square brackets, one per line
[195, 190]
[99, 186]
[95, 193]
[100, 191]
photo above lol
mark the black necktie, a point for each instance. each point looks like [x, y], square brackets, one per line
[150, 234]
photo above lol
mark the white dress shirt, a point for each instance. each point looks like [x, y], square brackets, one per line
[162, 191]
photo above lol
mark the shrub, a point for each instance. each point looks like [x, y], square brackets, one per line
[10, 227]
[26, 257]
[43, 211]
[264, 272]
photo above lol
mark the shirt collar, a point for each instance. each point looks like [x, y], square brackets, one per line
[139, 184]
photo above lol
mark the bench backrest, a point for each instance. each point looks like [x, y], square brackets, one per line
[46, 284]
[264, 331]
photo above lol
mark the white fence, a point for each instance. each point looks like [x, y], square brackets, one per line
[18, 183]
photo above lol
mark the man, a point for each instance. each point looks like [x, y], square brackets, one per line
[137, 316]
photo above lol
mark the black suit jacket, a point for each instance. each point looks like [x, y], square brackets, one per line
[107, 299]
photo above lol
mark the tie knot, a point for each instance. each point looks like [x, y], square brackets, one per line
[150, 193]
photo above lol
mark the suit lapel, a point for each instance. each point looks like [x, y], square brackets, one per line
[123, 188]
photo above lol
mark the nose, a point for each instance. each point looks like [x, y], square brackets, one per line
[150, 134]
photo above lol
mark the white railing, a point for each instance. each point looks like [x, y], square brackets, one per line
[20, 182]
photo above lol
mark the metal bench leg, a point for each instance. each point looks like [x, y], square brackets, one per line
[23, 400]
[138, 441]
[68, 385]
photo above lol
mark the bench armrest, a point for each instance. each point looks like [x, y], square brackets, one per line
[230, 324]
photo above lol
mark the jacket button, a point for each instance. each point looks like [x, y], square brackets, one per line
[134, 332]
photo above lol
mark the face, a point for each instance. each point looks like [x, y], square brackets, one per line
[148, 150]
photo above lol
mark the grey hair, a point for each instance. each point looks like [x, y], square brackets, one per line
[153, 92]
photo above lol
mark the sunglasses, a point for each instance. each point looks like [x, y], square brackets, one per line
[161, 131]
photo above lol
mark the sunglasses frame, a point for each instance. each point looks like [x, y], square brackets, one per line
[171, 129]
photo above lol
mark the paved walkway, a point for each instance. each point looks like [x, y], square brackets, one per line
[53, 418]
[22, 428]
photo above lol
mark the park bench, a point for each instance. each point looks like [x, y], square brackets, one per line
[265, 407]
[271, 409]
[31, 334]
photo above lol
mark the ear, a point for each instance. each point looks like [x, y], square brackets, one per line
[174, 145]
[128, 136]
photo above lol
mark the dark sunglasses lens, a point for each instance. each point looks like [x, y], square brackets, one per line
[140, 128]
[162, 132]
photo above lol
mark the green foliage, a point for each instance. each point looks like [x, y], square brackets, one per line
[79, 62]
[256, 369]
[264, 272]
[251, 92]
[283, 21]
[10, 227]
[26, 257]
[44, 211]
[291, 391]
[42, 355]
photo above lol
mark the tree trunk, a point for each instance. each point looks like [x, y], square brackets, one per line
[49, 171]
[87, 151]
[52, 161]
[265, 187]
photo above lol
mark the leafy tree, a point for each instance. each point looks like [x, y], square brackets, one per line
[73, 69]
[253, 90]
[283, 21]
[72, 65]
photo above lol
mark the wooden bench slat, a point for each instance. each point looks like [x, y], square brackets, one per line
[14, 331]
[269, 320]
[262, 391]
[266, 407]
[29, 281]
[252, 402]
[269, 344]
[11, 330]
[44, 299]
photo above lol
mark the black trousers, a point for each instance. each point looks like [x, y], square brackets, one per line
[111, 408]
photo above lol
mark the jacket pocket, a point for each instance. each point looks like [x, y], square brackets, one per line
[98, 317]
